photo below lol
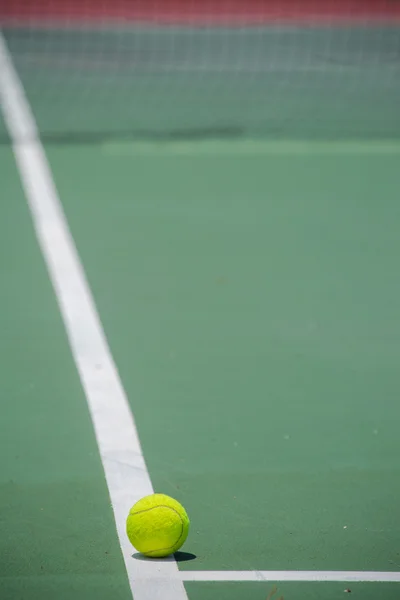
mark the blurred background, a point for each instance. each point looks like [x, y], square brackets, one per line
[200, 68]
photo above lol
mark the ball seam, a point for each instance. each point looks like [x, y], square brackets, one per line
[138, 512]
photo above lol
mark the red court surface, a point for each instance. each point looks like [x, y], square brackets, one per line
[203, 12]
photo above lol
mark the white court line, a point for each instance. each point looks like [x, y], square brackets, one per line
[345, 576]
[250, 147]
[121, 454]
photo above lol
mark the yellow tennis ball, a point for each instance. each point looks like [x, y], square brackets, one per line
[157, 525]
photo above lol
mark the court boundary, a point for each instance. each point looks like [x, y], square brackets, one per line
[250, 147]
[299, 576]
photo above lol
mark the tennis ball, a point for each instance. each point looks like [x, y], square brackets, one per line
[157, 525]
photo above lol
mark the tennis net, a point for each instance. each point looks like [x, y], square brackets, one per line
[172, 68]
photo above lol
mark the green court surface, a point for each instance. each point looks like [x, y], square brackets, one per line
[306, 591]
[58, 536]
[256, 335]
[250, 296]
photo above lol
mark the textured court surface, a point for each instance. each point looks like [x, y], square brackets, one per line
[250, 298]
